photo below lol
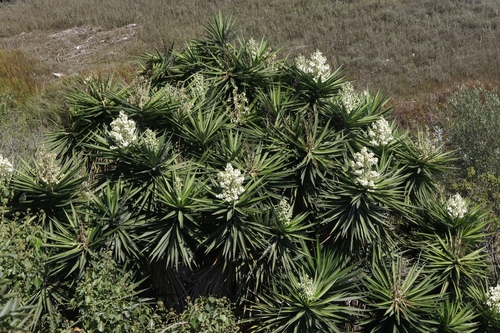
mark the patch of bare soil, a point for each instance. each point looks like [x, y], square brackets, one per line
[73, 51]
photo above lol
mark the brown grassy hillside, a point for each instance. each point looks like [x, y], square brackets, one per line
[402, 47]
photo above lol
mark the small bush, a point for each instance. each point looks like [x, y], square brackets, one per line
[107, 301]
[472, 121]
[204, 315]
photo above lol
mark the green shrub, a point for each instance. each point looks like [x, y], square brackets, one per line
[107, 300]
[472, 124]
[205, 315]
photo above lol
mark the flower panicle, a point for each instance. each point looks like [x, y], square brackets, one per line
[48, 169]
[123, 132]
[380, 133]
[349, 97]
[493, 299]
[284, 212]
[230, 181]
[361, 168]
[457, 206]
[317, 66]
[150, 141]
[237, 105]
[307, 288]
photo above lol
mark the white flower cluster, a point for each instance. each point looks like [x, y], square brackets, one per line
[307, 287]
[47, 167]
[284, 212]
[198, 86]
[178, 187]
[142, 94]
[456, 207]
[252, 48]
[316, 66]
[237, 105]
[493, 301]
[150, 141]
[361, 167]
[380, 133]
[230, 181]
[123, 131]
[6, 169]
[255, 53]
[349, 97]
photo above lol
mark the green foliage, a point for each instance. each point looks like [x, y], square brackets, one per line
[24, 272]
[315, 298]
[455, 317]
[401, 296]
[108, 301]
[204, 315]
[11, 315]
[472, 123]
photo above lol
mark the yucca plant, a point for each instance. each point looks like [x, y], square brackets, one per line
[89, 110]
[359, 204]
[422, 162]
[46, 186]
[318, 296]
[485, 301]
[244, 64]
[400, 296]
[454, 262]
[112, 207]
[455, 317]
[451, 242]
[172, 234]
[74, 240]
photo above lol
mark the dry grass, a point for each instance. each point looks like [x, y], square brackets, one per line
[401, 47]
[18, 73]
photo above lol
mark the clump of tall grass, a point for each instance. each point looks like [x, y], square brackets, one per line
[18, 73]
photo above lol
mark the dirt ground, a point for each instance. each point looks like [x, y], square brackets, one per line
[74, 51]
